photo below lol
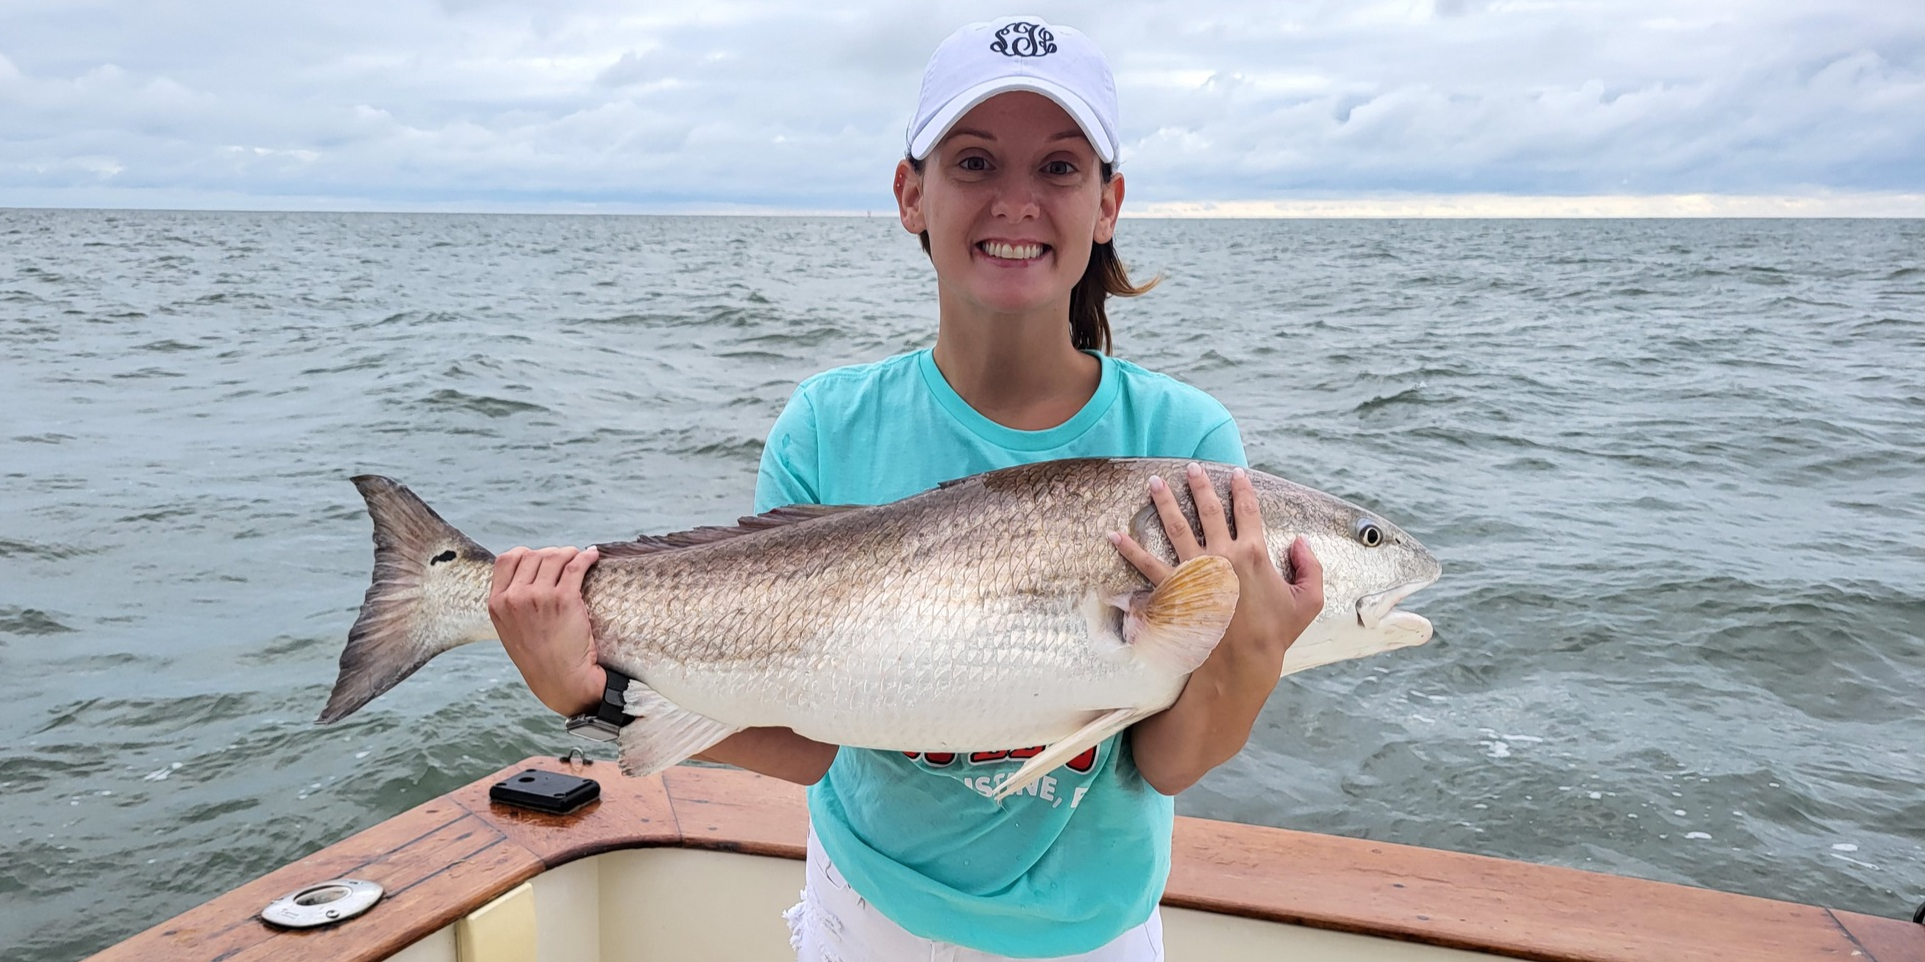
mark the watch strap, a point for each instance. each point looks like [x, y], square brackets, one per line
[604, 722]
[613, 708]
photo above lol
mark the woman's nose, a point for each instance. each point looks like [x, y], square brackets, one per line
[1018, 199]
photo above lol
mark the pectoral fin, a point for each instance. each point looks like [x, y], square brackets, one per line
[1177, 625]
[663, 733]
[1105, 725]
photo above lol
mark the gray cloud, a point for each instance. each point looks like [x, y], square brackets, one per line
[477, 102]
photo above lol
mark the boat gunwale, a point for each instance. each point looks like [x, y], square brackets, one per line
[455, 853]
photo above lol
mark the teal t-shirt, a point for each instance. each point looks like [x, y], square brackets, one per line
[1080, 856]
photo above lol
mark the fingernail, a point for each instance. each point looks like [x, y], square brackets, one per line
[1195, 468]
[1239, 472]
[1156, 482]
[1116, 537]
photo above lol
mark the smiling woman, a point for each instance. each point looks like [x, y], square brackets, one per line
[1010, 182]
[1012, 204]
[1103, 273]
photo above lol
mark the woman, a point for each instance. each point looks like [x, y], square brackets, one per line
[1009, 181]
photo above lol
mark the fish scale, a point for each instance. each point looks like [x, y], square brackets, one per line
[985, 614]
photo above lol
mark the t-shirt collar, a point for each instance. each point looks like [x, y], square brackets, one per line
[1013, 438]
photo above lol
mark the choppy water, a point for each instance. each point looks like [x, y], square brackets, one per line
[1675, 471]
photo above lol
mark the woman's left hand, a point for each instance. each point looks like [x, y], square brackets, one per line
[1212, 719]
[1271, 612]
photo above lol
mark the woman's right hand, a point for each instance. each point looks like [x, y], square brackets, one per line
[537, 607]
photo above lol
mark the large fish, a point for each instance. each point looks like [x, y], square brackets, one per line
[988, 613]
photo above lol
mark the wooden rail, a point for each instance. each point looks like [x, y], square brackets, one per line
[447, 857]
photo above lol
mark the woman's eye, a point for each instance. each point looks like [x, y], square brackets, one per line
[1059, 168]
[974, 163]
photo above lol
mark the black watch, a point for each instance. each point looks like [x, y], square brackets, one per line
[606, 721]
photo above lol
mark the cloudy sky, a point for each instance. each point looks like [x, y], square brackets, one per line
[1713, 106]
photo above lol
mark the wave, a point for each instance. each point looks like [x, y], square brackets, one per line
[411, 318]
[1409, 395]
[169, 346]
[494, 407]
[9, 548]
[29, 621]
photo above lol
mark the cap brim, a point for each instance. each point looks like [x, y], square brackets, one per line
[940, 122]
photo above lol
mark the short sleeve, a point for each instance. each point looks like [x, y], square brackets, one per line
[1223, 443]
[789, 471]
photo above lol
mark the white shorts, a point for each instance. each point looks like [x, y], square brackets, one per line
[834, 924]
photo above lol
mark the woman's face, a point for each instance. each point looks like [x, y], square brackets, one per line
[1012, 198]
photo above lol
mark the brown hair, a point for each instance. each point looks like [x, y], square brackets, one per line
[1089, 324]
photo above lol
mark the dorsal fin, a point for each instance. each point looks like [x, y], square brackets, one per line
[792, 514]
[780, 517]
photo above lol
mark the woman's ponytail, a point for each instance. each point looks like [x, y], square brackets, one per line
[1089, 323]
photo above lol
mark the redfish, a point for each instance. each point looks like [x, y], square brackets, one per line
[989, 613]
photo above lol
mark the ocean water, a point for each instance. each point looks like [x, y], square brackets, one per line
[1675, 471]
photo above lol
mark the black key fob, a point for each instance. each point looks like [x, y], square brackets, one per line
[544, 791]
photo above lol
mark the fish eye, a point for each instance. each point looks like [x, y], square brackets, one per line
[1368, 534]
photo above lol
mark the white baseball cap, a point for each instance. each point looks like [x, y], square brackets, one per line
[1016, 53]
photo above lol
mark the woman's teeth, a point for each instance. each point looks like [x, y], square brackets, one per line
[1012, 252]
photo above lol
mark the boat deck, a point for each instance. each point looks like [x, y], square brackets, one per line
[450, 856]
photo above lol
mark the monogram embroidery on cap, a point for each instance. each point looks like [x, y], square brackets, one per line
[1024, 39]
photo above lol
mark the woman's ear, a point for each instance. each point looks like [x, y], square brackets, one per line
[1111, 203]
[909, 197]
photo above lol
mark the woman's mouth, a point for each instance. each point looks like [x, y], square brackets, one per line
[1007, 251]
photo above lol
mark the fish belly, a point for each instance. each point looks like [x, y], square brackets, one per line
[893, 688]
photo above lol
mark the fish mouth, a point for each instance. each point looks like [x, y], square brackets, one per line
[1380, 610]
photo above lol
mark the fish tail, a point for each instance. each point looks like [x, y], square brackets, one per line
[429, 594]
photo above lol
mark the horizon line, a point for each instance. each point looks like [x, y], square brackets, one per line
[1493, 206]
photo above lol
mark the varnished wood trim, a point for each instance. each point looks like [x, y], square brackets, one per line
[1500, 906]
[448, 857]
[1881, 939]
[720, 809]
[437, 862]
